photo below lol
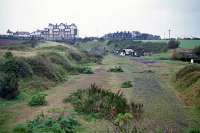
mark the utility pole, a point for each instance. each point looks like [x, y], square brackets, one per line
[169, 34]
[164, 35]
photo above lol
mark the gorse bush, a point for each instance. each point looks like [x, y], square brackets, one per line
[9, 77]
[16, 66]
[45, 124]
[126, 84]
[8, 86]
[98, 100]
[116, 69]
[38, 99]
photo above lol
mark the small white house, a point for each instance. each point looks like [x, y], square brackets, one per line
[128, 51]
[122, 54]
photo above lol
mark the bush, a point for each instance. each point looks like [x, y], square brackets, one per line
[173, 44]
[85, 70]
[116, 69]
[75, 56]
[193, 130]
[16, 66]
[38, 99]
[98, 100]
[196, 51]
[44, 124]
[42, 66]
[8, 86]
[126, 84]
[177, 55]
[21, 128]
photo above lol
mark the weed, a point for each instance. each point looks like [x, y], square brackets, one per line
[126, 84]
[38, 99]
[116, 69]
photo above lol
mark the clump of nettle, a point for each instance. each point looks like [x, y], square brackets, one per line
[108, 105]
[126, 84]
[116, 69]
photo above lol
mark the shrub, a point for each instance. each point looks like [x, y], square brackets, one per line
[116, 69]
[8, 86]
[85, 70]
[176, 55]
[75, 56]
[196, 51]
[16, 66]
[193, 130]
[38, 99]
[126, 84]
[21, 128]
[97, 100]
[42, 66]
[173, 44]
[45, 124]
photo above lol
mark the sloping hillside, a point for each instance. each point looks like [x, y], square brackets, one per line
[46, 64]
[188, 82]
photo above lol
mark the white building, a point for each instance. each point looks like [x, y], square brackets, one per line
[58, 32]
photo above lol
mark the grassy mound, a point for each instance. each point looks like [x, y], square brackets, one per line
[99, 101]
[188, 82]
[49, 65]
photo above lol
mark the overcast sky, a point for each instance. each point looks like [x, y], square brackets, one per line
[97, 17]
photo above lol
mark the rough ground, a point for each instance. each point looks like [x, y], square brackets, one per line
[162, 109]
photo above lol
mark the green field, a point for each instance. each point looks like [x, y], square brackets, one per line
[187, 44]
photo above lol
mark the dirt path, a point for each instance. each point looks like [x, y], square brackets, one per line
[162, 107]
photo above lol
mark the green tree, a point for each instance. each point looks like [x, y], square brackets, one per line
[173, 44]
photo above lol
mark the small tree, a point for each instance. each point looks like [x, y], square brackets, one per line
[173, 44]
[196, 51]
[8, 77]
[8, 86]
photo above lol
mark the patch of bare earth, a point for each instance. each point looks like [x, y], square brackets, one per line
[58, 94]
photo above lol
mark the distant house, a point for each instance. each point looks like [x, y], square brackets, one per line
[128, 52]
[54, 32]
[24, 34]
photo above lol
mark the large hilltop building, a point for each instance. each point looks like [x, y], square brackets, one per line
[58, 32]
[54, 32]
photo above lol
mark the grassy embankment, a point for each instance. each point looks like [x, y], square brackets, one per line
[49, 64]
